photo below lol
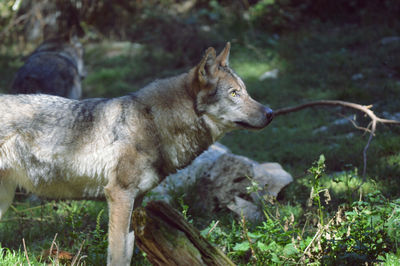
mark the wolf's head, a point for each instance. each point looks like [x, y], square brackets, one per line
[222, 97]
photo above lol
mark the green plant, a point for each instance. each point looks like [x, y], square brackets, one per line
[12, 257]
[98, 242]
[317, 170]
[275, 240]
[364, 234]
[363, 231]
[224, 237]
[185, 209]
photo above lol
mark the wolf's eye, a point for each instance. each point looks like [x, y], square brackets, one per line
[234, 93]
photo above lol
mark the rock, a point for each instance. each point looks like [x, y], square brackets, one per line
[390, 39]
[273, 74]
[322, 129]
[338, 122]
[221, 177]
[187, 177]
[344, 121]
[395, 116]
[272, 176]
[248, 209]
[228, 176]
[349, 135]
[357, 76]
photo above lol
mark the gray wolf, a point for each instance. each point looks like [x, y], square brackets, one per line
[120, 148]
[55, 67]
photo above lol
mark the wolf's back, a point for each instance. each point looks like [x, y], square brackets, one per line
[48, 73]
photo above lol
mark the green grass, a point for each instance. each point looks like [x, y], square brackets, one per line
[75, 223]
[12, 257]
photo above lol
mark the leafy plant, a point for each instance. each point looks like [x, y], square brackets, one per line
[365, 234]
[317, 170]
[365, 231]
[98, 242]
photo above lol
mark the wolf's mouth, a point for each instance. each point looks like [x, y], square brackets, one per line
[248, 126]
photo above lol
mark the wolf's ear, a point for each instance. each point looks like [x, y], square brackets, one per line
[223, 57]
[207, 67]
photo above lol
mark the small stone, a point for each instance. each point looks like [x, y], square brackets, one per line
[273, 74]
[390, 39]
[357, 76]
[246, 208]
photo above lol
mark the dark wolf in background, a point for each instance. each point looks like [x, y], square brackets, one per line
[55, 67]
[122, 147]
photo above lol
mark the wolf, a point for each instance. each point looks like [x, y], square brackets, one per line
[56, 67]
[122, 147]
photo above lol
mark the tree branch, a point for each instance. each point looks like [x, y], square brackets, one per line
[363, 108]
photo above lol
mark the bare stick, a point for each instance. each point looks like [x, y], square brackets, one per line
[57, 254]
[77, 255]
[26, 252]
[363, 108]
[246, 235]
[212, 228]
[316, 237]
[52, 244]
[353, 121]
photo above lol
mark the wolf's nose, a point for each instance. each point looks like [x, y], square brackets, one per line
[269, 113]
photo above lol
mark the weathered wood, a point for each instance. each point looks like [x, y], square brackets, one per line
[168, 239]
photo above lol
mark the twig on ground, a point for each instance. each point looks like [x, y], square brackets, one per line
[317, 235]
[52, 244]
[371, 128]
[77, 255]
[212, 228]
[26, 252]
[246, 235]
[81, 258]
[57, 254]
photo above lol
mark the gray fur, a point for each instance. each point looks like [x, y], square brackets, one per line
[55, 67]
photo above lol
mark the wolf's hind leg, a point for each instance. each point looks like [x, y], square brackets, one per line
[7, 191]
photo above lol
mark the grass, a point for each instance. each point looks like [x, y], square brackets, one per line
[318, 61]
[71, 221]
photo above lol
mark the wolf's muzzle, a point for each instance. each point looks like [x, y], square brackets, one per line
[269, 114]
[264, 116]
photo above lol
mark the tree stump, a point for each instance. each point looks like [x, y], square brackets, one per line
[168, 239]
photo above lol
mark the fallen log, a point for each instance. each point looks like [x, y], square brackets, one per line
[168, 239]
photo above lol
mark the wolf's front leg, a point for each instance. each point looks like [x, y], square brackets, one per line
[120, 240]
[7, 191]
